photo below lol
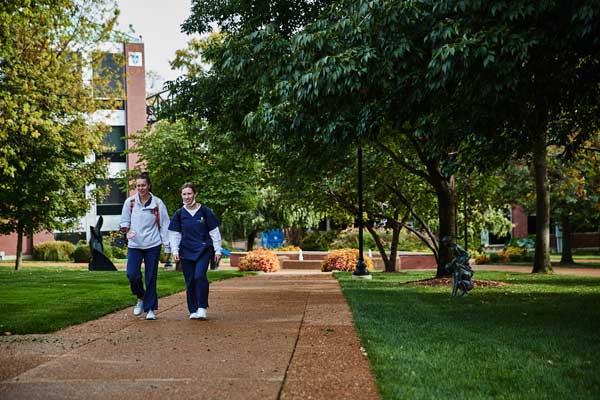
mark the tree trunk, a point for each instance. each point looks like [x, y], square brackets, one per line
[250, 240]
[567, 245]
[446, 194]
[294, 235]
[541, 262]
[388, 262]
[394, 250]
[19, 247]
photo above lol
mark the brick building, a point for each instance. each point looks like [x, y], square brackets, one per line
[524, 225]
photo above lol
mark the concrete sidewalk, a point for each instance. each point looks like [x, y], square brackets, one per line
[272, 336]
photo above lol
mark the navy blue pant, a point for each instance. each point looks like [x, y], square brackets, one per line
[196, 282]
[150, 257]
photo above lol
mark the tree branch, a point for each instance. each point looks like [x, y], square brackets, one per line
[409, 167]
[407, 204]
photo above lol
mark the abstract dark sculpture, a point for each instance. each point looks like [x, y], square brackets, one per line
[462, 274]
[99, 261]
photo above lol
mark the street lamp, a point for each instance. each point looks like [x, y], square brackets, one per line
[361, 271]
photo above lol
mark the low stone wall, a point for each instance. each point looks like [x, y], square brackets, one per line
[312, 260]
[304, 264]
[417, 261]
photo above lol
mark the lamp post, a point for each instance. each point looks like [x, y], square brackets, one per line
[361, 271]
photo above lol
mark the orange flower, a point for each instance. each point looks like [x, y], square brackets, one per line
[260, 260]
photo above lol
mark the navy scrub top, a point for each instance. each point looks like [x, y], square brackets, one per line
[194, 229]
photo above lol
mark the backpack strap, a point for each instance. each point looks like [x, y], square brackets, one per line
[157, 217]
[178, 216]
[203, 211]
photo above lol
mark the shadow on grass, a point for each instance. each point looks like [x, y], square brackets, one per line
[534, 338]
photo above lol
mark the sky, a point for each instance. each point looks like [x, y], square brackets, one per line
[159, 24]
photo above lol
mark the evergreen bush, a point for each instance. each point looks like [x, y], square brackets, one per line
[82, 252]
[56, 250]
[317, 241]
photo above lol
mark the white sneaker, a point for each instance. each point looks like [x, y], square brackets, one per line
[194, 315]
[201, 313]
[150, 315]
[139, 307]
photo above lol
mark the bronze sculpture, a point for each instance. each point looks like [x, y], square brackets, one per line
[462, 274]
[99, 261]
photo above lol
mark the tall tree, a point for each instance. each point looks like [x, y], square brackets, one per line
[520, 68]
[178, 152]
[480, 79]
[460, 82]
[574, 194]
[46, 136]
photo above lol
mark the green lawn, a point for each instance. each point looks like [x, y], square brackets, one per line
[535, 338]
[581, 261]
[41, 300]
[577, 257]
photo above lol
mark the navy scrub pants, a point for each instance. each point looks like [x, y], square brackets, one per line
[196, 282]
[150, 257]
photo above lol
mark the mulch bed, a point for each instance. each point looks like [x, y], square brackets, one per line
[448, 282]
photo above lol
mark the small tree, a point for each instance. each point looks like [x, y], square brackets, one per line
[179, 152]
[45, 130]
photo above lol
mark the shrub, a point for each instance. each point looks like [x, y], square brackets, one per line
[523, 243]
[108, 250]
[260, 260]
[119, 252]
[494, 257]
[512, 253]
[482, 258]
[411, 242]
[343, 260]
[57, 250]
[348, 239]
[286, 248]
[317, 241]
[82, 252]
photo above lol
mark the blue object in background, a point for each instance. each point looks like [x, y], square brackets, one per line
[225, 252]
[271, 239]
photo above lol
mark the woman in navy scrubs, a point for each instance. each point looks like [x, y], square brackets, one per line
[195, 239]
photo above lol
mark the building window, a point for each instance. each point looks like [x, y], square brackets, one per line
[110, 104]
[112, 204]
[115, 143]
[531, 224]
[109, 76]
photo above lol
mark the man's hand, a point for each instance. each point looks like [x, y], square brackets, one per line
[217, 258]
[176, 257]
